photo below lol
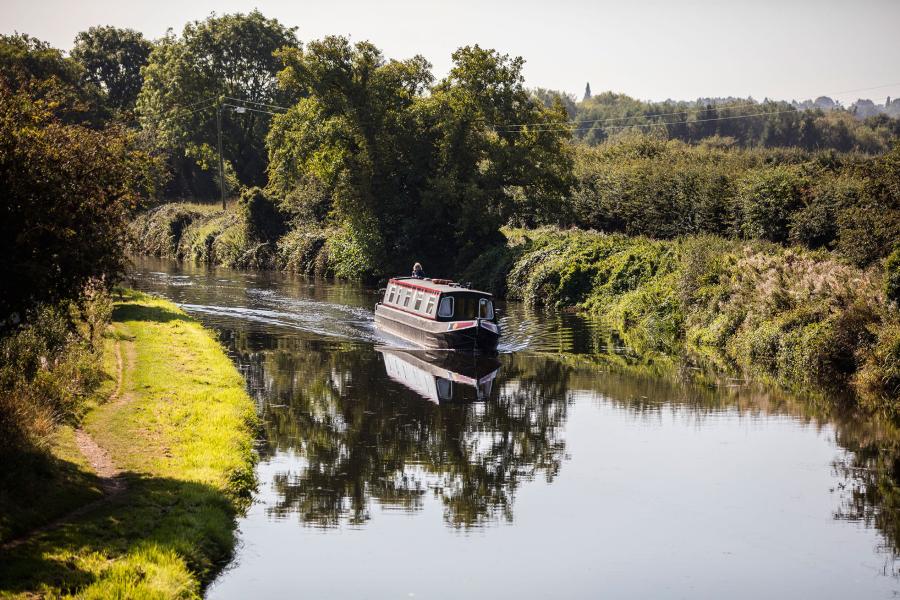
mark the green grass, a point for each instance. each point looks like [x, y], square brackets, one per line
[183, 431]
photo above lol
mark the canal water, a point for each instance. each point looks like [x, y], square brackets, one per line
[565, 467]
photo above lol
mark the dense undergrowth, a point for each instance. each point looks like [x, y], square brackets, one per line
[800, 317]
[50, 375]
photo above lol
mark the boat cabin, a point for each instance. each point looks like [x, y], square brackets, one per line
[437, 313]
[438, 300]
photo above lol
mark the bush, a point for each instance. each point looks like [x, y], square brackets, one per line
[892, 276]
[159, 231]
[262, 218]
[767, 200]
[880, 376]
[47, 371]
[303, 250]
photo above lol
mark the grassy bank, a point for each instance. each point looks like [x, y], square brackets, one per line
[800, 317]
[180, 428]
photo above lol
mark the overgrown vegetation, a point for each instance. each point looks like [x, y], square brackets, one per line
[69, 188]
[800, 317]
[182, 430]
[641, 185]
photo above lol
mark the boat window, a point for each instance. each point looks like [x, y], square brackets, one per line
[485, 309]
[446, 307]
[418, 305]
[468, 306]
[444, 388]
[391, 296]
[408, 295]
[429, 308]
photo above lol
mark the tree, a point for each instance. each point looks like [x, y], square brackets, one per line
[33, 67]
[587, 91]
[399, 172]
[112, 59]
[68, 194]
[187, 77]
[353, 138]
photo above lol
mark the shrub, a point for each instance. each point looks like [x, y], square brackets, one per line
[262, 218]
[880, 376]
[767, 199]
[302, 250]
[47, 371]
[892, 276]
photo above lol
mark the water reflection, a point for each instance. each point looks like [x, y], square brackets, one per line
[442, 376]
[364, 430]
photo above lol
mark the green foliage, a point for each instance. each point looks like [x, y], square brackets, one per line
[647, 185]
[68, 193]
[263, 220]
[303, 250]
[402, 172]
[880, 376]
[112, 59]
[643, 185]
[798, 317]
[48, 370]
[745, 122]
[185, 79]
[31, 67]
[767, 200]
[892, 276]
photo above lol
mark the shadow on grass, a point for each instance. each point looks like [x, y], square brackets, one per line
[154, 518]
[131, 311]
[36, 488]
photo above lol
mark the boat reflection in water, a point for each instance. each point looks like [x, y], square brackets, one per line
[442, 376]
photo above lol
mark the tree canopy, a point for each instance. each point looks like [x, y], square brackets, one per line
[187, 76]
[399, 166]
[68, 193]
[112, 59]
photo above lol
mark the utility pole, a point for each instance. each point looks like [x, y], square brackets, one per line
[221, 163]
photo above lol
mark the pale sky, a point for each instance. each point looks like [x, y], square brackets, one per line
[650, 49]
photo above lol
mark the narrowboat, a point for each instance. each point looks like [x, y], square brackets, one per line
[438, 313]
[443, 376]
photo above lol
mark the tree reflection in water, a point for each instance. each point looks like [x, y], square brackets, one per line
[364, 438]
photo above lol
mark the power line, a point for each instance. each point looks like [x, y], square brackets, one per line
[208, 99]
[257, 103]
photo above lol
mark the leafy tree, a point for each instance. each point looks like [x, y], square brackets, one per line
[352, 137]
[499, 159]
[68, 193]
[33, 67]
[112, 59]
[400, 172]
[230, 56]
[549, 98]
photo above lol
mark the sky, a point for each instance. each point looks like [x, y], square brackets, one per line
[649, 49]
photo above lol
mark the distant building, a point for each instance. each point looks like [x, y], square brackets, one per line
[587, 91]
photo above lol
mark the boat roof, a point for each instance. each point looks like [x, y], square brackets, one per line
[442, 286]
